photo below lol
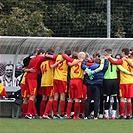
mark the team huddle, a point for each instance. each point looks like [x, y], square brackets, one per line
[69, 83]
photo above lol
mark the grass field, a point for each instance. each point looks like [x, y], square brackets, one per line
[8, 125]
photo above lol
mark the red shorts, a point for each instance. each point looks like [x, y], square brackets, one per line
[84, 91]
[24, 90]
[32, 86]
[126, 90]
[60, 86]
[47, 91]
[76, 88]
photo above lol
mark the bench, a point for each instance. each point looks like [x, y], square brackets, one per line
[11, 90]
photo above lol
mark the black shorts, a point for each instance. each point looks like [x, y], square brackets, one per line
[110, 87]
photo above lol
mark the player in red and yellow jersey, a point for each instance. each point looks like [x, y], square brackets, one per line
[60, 82]
[46, 89]
[2, 89]
[33, 70]
[46, 84]
[76, 84]
[126, 82]
[24, 88]
[24, 94]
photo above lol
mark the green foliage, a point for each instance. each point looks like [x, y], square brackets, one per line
[24, 21]
[121, 19]
[64, 19]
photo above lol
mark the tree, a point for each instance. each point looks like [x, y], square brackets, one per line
[66, 18]
[23, 22]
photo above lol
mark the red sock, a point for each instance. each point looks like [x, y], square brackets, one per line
[129, 106]
[122, 105]
[69, 107]
[30, 107]
[24, 109]
[55, 105]
[34, 110]
[62, 107]
[42, 106]
[76, 108]
[48, 107]
[82, 106]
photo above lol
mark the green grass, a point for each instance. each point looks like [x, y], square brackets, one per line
[8, 125]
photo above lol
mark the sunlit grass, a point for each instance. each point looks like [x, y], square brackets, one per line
[8, 125]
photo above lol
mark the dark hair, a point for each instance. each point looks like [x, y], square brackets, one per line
[96, 54]
[75, 55]
[9, 65]
[41, 51]
[117, 55]
[68, 52]
[131, 54]
[97, 60]
[36, 51]
[125, 50]
[131, 49]
[108, 50]
[50, 51]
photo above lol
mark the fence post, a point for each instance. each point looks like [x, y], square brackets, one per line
[108, 18]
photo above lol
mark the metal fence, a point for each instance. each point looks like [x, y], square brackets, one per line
[93, 18]
[79, 18]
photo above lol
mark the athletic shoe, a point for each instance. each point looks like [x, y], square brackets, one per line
[72, 116]
[128, 118]
[35, 117]
[68, 117]
[113, 118]
[40, 117]
[85, 118]
[81, 116]
[121, 117]
[50, 116]
[76, 118]
[100, 116]
[95, 118]
[28, 116]
[106, 118]
[62, 117]
[56, 117]
[46, 117]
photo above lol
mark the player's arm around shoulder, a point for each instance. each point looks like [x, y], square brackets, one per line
[56, 63]
[83, 65]
[123, 70]
[129, 61]
[75, 61]
[100, 68]
[67, 58]
[30, 70]
[115, 61]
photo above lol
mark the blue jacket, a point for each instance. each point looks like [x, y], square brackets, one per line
[98, 77]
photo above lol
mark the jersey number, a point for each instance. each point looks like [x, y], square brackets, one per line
[44, 68]
[77, 68]
[60, 65]
[129, 67]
